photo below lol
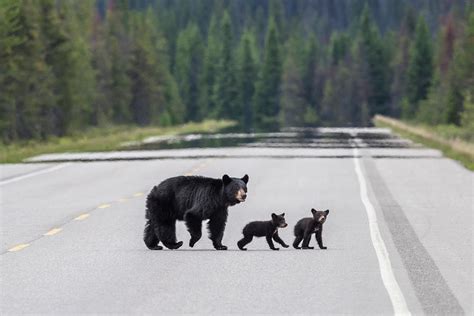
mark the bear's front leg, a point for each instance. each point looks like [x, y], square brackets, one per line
[279, 240]
[270, 243]
[319, 238]
[216, 226]
[194, 223]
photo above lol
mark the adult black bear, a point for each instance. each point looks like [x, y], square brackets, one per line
[192, 199]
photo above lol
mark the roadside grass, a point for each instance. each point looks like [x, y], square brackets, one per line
[102, 139]
[454, 142]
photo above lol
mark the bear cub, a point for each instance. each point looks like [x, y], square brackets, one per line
[308, 226]
[269, 229]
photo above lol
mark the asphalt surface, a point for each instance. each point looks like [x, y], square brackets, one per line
[94, 259]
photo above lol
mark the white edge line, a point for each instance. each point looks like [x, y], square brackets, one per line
[35, 173]
[391, 285]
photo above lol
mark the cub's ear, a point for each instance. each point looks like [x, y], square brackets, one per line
[313, 210]
[245, 179]
[282, 214]
[226, 179]
[327, 212]
[274, 216]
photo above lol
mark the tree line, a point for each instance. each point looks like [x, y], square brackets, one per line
[67, 65]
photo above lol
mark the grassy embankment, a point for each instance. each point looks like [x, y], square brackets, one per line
[454, 142]
[101, 139]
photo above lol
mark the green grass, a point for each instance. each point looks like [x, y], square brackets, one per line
[453, 141]
[101, 139]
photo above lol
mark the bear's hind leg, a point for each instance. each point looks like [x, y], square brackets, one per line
[167, 233]
[297, 241]
[150, 238]
[306, 240]
[244, 241]
[194, 224]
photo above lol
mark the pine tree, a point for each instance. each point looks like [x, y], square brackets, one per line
[267, 91]
[32, 80]
[209, 71]
[188, 66]
[420, 68]
[247, 71]
[225, 89]
[10, 39]
[376, 65]
[119, 93]
[293, 101]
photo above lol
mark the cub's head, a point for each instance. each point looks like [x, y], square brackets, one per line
[279, 220]
[235, 189]
[320, 216]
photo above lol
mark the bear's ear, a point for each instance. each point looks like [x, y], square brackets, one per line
[274, 216]
[226, 179]
[313, 210]
[282, 215]
[327, 212]
[245, 179]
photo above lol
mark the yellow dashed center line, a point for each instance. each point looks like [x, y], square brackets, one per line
[18, 247]
[122, 200]
[138, 194]
[53, 231]
[81, 217]
[103, 206]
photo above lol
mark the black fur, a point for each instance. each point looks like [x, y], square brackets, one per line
[269, 229]
[309, 225]
[192, 199]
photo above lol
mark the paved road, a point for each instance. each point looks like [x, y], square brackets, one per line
[399, 234]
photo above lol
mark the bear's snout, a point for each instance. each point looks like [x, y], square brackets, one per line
[241, 195]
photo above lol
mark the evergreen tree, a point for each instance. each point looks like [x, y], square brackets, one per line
[188, 65]
[420, 68]
[267, 91]
[247, 71]
[10, 40]
[32, 81]
[378, 73]
[225, 89]
[119, 92]
[209, 72]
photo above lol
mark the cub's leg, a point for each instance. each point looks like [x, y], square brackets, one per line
[270, 243]
[297, 241]
[244, 241]
[306, 239]
[279, 240]
[319, 238]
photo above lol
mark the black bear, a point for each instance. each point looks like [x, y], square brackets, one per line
[269, 229]
[192, 199]
[309, 225]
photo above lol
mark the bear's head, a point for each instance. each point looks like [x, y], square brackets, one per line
[235, 189]
[279, 220]
[320, 216]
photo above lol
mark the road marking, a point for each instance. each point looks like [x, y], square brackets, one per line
[122, 200]
[390, 282]
[18, 247]
[103, 206]
[82, 217]
[35, 173]
[53, 231]
[138, 194]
